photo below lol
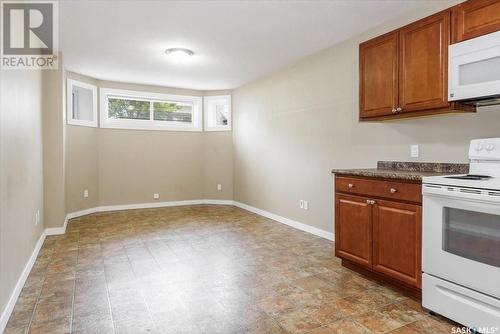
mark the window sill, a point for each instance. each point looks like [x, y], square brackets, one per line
[149, 127]
[217, 129]
[90, 124]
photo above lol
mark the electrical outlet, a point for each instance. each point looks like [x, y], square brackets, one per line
[156, 196]
[306, 205]
[37, 217]
[414, 151]
[85, 193]
[301, 203]
[219, 187]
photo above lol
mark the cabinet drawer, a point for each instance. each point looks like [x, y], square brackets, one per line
[410, 192]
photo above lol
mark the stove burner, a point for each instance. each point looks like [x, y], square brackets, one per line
[470, 177]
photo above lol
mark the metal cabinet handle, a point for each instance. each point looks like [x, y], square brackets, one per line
[370, 201]
[398, 109]
[393, 190]
[350, 185]
[373, 202]
[394, 110]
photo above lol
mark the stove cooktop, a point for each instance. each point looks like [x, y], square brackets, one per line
[469, 177]
[484, 168]
[477, 181]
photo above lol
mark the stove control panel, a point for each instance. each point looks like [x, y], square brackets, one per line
[485, 149]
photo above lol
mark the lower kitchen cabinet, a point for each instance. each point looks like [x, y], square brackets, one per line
[354, 229]
[397, 241]
[378, 229]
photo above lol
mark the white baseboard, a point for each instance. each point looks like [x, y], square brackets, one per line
[57, 230]
[150, 205]
[218, 202]
[109, 208]
[80, 213]
[295, 224]
[4, 318]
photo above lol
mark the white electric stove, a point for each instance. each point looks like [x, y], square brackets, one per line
[461, 241]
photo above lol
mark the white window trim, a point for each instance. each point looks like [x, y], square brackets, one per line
[69, 103]
[131, 124]
[206, 101]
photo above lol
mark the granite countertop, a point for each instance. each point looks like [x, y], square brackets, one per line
[413, 171]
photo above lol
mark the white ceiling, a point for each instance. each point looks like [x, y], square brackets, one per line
[234, 41]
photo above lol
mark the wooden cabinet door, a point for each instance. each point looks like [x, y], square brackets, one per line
[353, 229]
[475, 18]
[397, 238]
[423, 63]
[378, 76]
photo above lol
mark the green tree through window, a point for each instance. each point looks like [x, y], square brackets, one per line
[162, 111]
[129, 109]
[172, 112]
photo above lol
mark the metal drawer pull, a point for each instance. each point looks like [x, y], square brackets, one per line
[370, 201]
[350, 185]
[393, 190]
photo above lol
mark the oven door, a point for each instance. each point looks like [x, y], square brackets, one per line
[461, 236]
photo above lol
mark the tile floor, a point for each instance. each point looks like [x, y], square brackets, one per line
[202, 269]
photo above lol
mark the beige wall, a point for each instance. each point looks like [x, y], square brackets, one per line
[292, 127]
[135, 164]
[218, 165]
[127, 166]
[81, 168]
[218, 160]
[82, 156]
[21, 179]
[53, 121]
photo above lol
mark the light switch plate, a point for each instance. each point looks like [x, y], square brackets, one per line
[414, 151]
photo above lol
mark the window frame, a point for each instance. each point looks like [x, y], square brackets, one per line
[206, 102]
[70, 83]
[151, 124]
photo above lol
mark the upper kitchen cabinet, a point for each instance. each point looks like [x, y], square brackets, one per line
[475, 18]
[423, 62]
[378, 64]
[405, 73]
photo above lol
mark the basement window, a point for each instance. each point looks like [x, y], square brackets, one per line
[81, 102]
[217, 112]
[121, 109]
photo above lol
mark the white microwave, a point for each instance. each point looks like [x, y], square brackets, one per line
[474, 70]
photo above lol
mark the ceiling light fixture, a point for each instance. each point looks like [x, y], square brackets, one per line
[179, 54]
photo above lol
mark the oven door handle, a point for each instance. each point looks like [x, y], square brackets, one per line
[462, 193]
